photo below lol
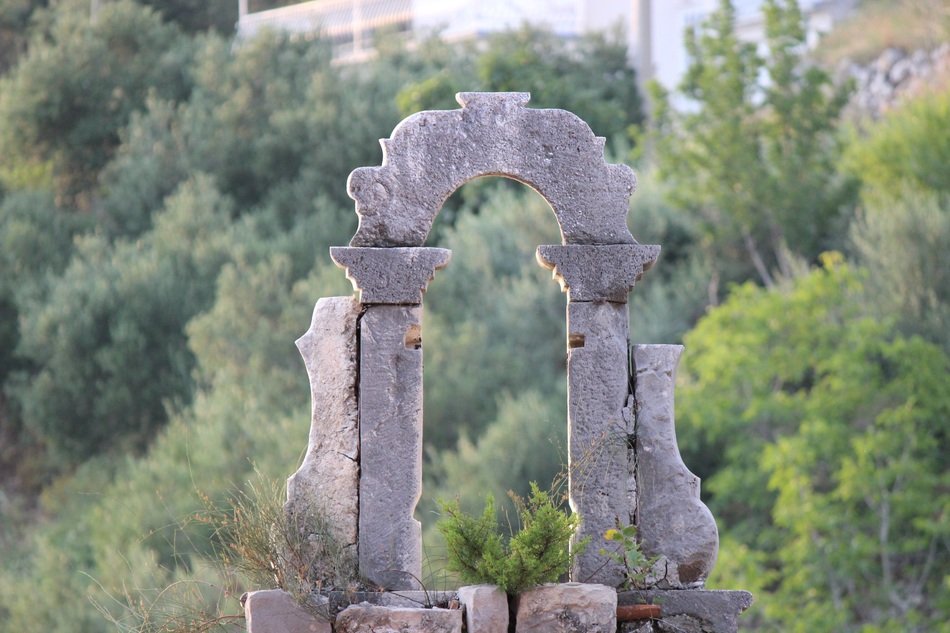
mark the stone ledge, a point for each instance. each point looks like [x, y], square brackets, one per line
[275, 611]
[712, 611]
[368, 618]
[339, 600]
[567, 608]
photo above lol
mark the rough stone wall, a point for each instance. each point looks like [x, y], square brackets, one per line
[895, 76]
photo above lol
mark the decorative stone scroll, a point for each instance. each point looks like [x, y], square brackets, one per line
[624, 466]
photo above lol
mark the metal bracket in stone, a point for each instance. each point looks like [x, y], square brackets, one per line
[390, 275]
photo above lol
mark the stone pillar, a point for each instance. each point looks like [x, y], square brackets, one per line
[597, 280]
[324, 493]
[390, 283]
[673, 524]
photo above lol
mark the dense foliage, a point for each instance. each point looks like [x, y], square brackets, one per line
[167, 197]
[538, 552]
[755, 159]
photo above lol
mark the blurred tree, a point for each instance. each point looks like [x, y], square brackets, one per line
[14, 29]
[753, 153]
[823, 437]
[493, 299]
[61, 108]
[902, 231]
[675, 292]
[264, 119]
[591, 77]
[530, 429]
[108, 345]
[902, 238]
[908, 147]
[126, 527]
[36, 242]
[198, 15]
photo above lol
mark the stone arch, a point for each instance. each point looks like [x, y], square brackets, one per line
[597, 264]
[431, 154]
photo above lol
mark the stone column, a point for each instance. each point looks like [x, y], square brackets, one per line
[390, 283]
[597, 280]
[673, 524]
[324, 492]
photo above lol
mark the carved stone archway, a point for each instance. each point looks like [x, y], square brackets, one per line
[430, 155]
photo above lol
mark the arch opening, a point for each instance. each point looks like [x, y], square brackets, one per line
[495, 414]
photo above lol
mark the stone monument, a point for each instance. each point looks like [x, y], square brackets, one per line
[363, 467]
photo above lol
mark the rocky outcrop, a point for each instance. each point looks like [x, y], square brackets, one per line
[895, 76]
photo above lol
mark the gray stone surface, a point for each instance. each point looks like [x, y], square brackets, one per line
[339, 600]
[714, 611]
[598, 273]
[274, 611]
[390, 398]
[673, 523]
[431, 154]
[486, 609]
[674, 624]
[390, 275]
[892, 79]
[598, 389]
[327, 482]
[567, 608]
[367, 618]
[637, 627]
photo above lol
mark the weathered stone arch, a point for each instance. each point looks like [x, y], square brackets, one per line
[431, 154]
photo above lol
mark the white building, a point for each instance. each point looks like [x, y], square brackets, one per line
[654, 28]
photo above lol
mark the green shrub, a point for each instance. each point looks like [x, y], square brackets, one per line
[538, 553]
[908, 147]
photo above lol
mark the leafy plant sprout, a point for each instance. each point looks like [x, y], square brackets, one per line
[635, 564]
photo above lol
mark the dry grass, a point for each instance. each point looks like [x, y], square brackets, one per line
[257, 544]
[881, 24]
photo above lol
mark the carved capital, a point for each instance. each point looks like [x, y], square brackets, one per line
[395, 276]
[598, 273]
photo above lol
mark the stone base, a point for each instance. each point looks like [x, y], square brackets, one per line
[339, 600]
[485, 607]
[688, 610]
[275, 611]
[548, 609]
[366, 618]
[567, 608]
